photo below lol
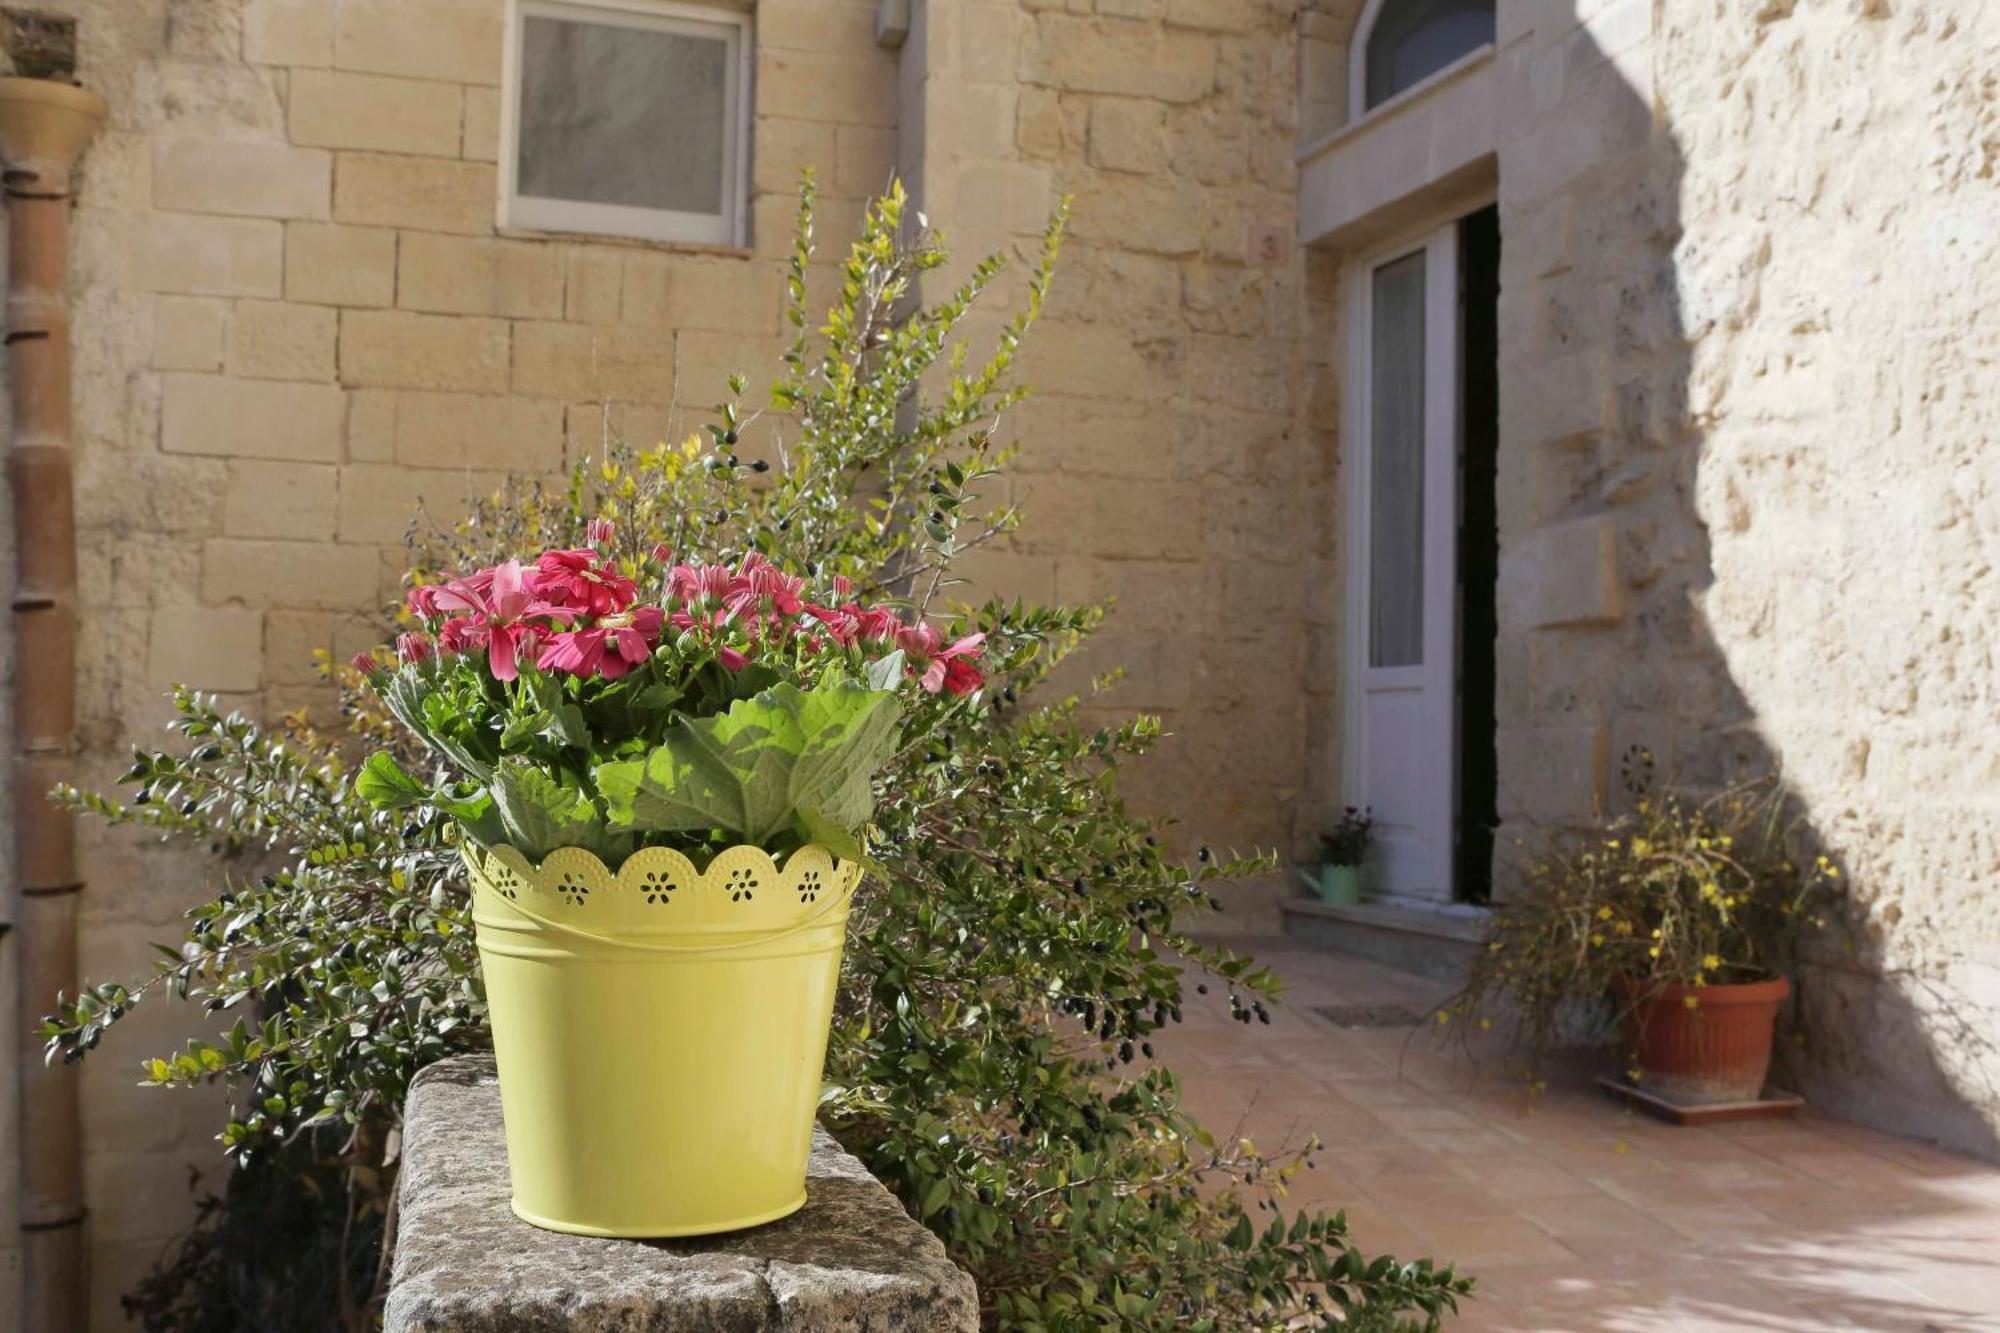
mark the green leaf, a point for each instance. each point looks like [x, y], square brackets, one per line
[539, 814]
[418, 704]
[476, 813]
[563, 720]
[756, 770]
[384, 785]
[884, 673]
[843, 842]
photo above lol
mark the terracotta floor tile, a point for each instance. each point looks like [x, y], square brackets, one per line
[1374, 1164]
[1572, 1212]
[1722, 1223]
[1517, 1176]
[1421, 1200]
[1593, 1216]
[1378, 1232]
[1492, 1240]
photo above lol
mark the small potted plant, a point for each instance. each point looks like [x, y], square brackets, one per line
[1342, 876]
[1670, 930]
[662, 775]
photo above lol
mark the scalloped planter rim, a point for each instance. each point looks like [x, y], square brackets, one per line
[660, 1031]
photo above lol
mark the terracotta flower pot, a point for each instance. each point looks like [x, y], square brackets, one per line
[1717, 1051]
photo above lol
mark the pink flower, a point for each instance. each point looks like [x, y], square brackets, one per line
[576, 579]
[700, 583]
[942, 668]
[412, 648]
[365, 663]
[600, 531]
[457, 635]
[841, 622]
[781, 589]
[960, 676]
[497, 616]
[763, 588]
[731, 659]
[876, 622]
[660, 554]
[919, 640]
[609, 648]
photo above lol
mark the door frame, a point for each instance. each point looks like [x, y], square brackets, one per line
[1443, 402]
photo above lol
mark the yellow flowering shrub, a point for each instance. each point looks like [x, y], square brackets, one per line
[1682, 889]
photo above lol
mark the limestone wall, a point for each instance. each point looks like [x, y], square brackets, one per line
[295, 320]
[1747, 497]
[1838, 276]
[1176, 456]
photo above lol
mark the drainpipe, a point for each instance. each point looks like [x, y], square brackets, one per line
[43, 128]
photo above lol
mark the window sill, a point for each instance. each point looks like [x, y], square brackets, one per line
[710, 248]
[1430, 149]
[1457, 70]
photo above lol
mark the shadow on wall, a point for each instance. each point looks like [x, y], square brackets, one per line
[1771, 269]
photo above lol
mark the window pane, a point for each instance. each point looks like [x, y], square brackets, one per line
[622, 115]
[1396, 466]
[1414, 39]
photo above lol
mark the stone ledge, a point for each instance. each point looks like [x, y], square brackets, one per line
[850, 1261]
[1439, 943]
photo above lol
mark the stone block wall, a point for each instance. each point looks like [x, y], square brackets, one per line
[295, 322]
[1838, 279]
[1597, 552]
[1176, 455]
[1746, 497]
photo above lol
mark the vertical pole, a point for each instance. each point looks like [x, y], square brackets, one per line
[43, 128]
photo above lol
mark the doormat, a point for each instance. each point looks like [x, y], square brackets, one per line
[1369, 1015]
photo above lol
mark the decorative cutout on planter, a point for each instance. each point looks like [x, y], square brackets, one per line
[658, 891]
[503, 880]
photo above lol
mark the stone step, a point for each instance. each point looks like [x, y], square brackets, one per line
[1437, 941]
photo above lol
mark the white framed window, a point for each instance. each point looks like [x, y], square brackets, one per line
[1398, 44]
[627, 118]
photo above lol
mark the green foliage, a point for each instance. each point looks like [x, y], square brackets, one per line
[780, 768]
[1680, 890]
[347, 965]
[1017, 947]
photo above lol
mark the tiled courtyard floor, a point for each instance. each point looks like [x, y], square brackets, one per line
[1575, 1214]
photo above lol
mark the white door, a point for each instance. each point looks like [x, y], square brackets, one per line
[1402, 520]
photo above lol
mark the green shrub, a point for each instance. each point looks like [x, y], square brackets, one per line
[1018, 952]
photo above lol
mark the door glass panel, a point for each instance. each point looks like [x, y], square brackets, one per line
[1396, 466]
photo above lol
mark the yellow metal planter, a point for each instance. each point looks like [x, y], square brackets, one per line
[660, 1032]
